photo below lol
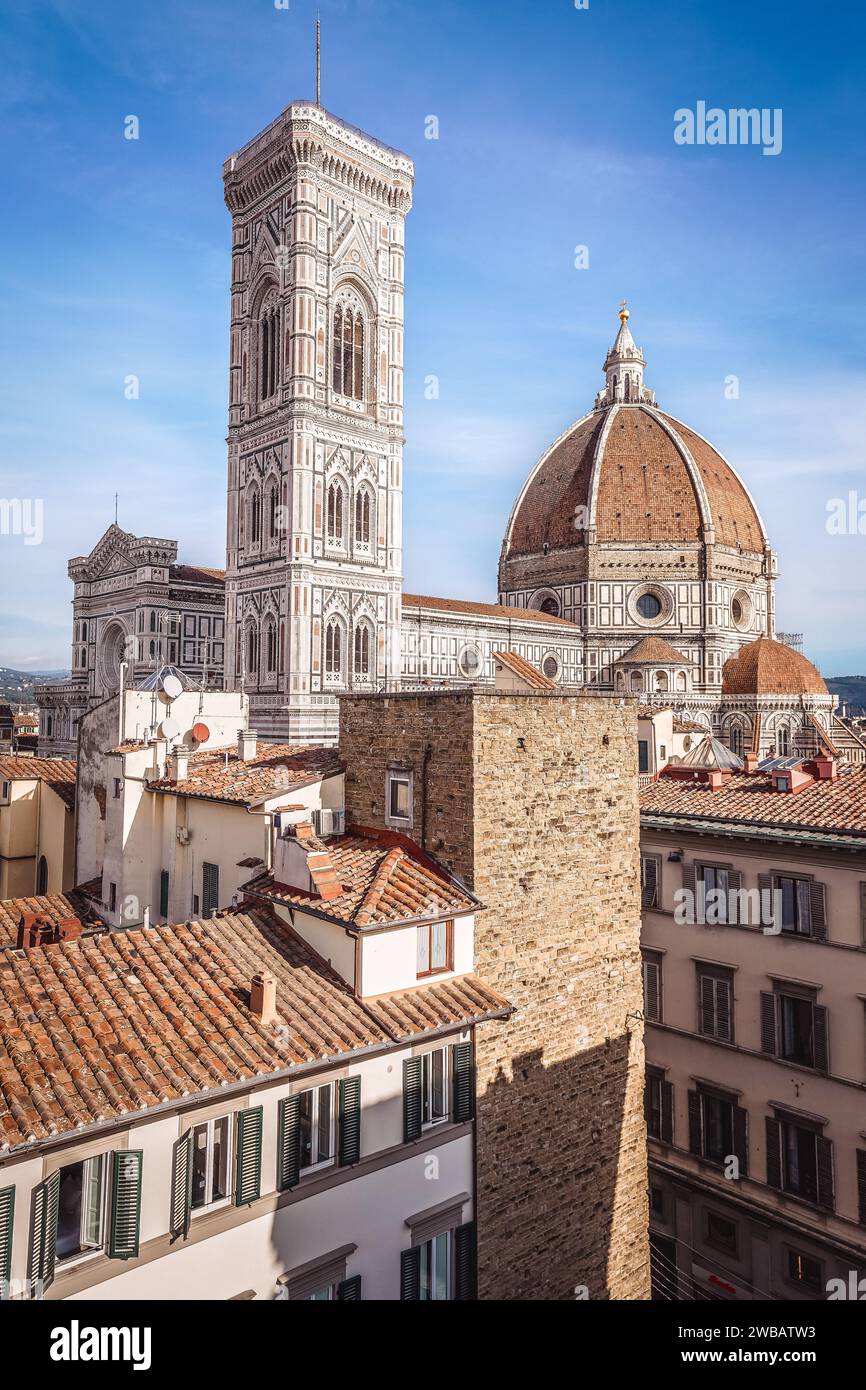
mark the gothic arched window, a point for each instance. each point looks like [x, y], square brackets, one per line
[336, 512]
[348, 351]
[255, 516]
[271, 647]
[783, 741]
[272, 505]
[363, 517]
[362, 650]
[269, 346]
[334, 650]
[735, 739]
[252, 652]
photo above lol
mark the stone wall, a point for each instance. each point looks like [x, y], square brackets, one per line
[533, 802]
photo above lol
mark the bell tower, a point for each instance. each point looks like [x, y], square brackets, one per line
[315, 446]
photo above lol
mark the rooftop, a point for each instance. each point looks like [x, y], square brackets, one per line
[767, 667]
[519, 666]
[58, 773]
[483, 610]
[654, 648]
[837, 806]
[382, 876]
[113, 1025]
[219, 774]
[55, 906]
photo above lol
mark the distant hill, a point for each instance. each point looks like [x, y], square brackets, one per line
[851, 691]
[16, 687]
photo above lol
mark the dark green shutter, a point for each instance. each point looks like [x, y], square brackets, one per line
[7, 1221]
[350, 1121]
[349, 1291]
[181, 1186]
[126, 1166]
[818, 908]
[464, 1087]
[819, 1033]
[411, 1098]
[288, 1143]
[464, 1263]
[768, 1024]
[46, 1200]
[163, 893]
[774, 1152]
[410, 1275]
[248, 1162]
[824, 1155]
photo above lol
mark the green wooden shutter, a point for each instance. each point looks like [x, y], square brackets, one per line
[46, 1201]
[464, 1263]
[818, 910]
[820, 1034]
[768, 906]
[7, 1221]
[768, 1024]
[774, 1152]
[126, 1166]
[181, 1186]
[824, 1155]
[411, 1098]
[464, 1081]
[350, 1121]
[248, 1160]
[349, 1291]
[288, 1143]
[410, 1275]
[690, 886]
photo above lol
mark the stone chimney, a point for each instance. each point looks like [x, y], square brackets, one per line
[37, 929]
[247, 741]
[263, 997]
[179, 763]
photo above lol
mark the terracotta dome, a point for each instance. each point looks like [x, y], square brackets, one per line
[767, 667]
[641, 476]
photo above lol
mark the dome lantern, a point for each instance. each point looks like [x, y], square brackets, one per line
[624, 368]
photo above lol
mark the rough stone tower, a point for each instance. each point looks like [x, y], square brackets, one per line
[533, 802]
[315, 467]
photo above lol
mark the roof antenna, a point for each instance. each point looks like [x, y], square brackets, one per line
[318, 60]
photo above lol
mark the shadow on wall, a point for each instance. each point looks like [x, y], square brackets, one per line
[561, 1178]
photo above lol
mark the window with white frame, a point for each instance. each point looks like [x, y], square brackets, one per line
[436, 1268]
[435, 1087]
[211, 1154]
[399, 798]
[317, 1123]
[81, 1208]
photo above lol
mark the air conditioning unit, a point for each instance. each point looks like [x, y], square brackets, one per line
[183, 835]
[329, 823]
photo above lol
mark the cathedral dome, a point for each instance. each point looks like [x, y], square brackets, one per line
[767, 667]
[628, 472]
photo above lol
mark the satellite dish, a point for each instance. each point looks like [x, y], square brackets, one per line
[201, 733]
[169, 728]
[172, 687]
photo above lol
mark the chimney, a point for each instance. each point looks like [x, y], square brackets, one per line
[179, 763]
[263, 997]
[826, 767]
[247, 740]
[36, 929]
[68, 930]
[750, 762]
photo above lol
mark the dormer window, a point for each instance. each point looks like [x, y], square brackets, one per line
[435, 948]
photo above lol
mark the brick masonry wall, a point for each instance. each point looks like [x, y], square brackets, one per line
[533, 802]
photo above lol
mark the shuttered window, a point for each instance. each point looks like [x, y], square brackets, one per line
[288, 1144]
[210, 888]
[718, 1128]
[163, 893]
[799, 905]
[126, 1169]
[350, 1121]
[248, 1159]
[659, 1106]
[718, 895]
[464, 1082]
[652, 986]
[650, 878]
[46, 1199]
[800, 1160]
[715, 1002]
[411, 1098]
[465, 1263]
[410, 1275]
[181, 1187]
[349, 1290]
[7, 1221]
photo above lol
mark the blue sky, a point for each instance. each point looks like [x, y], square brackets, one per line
[556, 130]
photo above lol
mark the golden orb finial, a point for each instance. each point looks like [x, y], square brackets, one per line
[624, 314]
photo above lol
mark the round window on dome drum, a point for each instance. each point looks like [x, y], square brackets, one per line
[649, 606]
[470, 662]
[550, 667]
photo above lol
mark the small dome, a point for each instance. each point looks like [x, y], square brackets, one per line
[767, 667]
[712, 753]
[655, 650]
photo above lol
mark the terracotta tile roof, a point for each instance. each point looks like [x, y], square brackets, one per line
[483, 610]
[220, 775]
[767, 667]
[838, 805]
[200, 573]
[525, 670]
[652, 648]
[383, 877]
[115, 1024]
[58, 773]
[55, 906]
[688, 726]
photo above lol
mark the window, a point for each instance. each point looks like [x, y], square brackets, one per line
[271, 647]
[211, 1143]
[255, 506]
[434, 948]
[659, 1105]
[720, 1232]
[550, 667]
[335, 512]
[649, 606]
[800, 1159]
[400, 798]
[717, 1127]
[642, 755]
[273, 496]
[362, 650]
[269, 347]
[549, 605]
[210, 888]
[436, 1268]
[783, 742]
[469, 662]
[112, 897]
[42, 876]
[252, 669]
[81, 1208]
[657, 1202]
[794, 1027]
[795, 900]
[805, 1271]
[163, 893]
[716, 882]
[118, 784]
[652, 985]
[317, 1125]
[715, 1002]
[435, 1106]
[363, 515]
[348, 351]
[334, 650]
[650, 873]
[735, 739]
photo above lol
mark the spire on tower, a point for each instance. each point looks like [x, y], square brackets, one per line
[623, 368]
[318, 60]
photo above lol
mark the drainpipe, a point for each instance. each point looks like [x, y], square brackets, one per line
[121, 720]
[428, 753]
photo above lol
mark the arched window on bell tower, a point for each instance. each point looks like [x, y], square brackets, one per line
[269, 346]
[348, 350]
